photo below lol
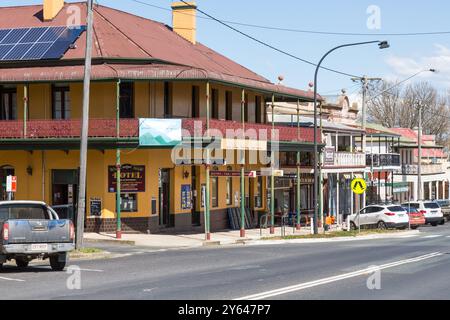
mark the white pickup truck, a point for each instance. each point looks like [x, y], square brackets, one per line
[31, 230]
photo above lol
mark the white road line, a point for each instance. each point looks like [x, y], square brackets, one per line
[306, 285]
[91, 270]
[433, 236]
[11, 279]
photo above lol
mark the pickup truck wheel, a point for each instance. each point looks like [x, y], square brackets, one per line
[56, 264]
[442, 222]
[434, 224]
[22, 263]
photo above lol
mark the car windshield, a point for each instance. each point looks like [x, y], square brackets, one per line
[396, 209]
[412, 205]
[431, 205]
[411, 209]
[23, 212]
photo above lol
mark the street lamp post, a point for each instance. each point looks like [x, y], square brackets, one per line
[382, 45]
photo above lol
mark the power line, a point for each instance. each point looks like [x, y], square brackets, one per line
[269, 45]
[257, 40]
[292, 30]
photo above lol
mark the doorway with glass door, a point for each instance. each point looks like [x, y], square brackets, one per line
[166, 219]
[65, 193]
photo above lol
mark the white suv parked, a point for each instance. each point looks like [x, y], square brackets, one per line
[430, 209]
[381, 216]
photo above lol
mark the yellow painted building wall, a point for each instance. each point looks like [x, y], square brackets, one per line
[148, 102]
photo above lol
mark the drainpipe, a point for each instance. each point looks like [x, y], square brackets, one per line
[208, 168]
[242, 232]
[298, 170]
[272, 178]
[25, 109]
[118, 164]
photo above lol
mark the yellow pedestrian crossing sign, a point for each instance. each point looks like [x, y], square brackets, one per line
[359, 186]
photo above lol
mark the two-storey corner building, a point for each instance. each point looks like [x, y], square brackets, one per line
[434, 165]
[141, 69]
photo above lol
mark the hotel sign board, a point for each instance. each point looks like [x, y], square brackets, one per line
[132, 178]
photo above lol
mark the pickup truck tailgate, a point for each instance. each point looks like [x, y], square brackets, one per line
[38, 231]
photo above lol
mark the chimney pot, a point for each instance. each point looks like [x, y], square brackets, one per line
[184, 20]
[52, 8]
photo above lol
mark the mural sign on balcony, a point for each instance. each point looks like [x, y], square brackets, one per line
[159, 132]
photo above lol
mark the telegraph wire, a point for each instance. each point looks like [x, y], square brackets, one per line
[292, 30]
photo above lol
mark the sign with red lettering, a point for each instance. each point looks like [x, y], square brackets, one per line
[132, 178]
[11, 184]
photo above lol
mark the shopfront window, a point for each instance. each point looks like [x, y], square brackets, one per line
[128, 202]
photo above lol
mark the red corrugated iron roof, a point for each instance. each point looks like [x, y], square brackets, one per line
[120, 35]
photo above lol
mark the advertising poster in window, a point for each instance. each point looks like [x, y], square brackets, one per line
[132, 178]
[186, 197]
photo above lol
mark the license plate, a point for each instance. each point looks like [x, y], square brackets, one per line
[39, 247]
[433, 212]
[401, 215]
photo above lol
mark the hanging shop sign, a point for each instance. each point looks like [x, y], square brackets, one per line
[132, 178]
[159, 132]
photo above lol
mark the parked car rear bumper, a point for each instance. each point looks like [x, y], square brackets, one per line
[27, 248]
[434, 220]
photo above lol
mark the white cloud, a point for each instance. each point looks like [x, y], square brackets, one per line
[404, 67]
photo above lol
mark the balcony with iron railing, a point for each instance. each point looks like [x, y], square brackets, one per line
[129, 129]
[427, 169]
[67, 129]
[387, 160]
[344, 159]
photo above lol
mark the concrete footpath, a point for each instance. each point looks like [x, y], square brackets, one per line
[222, 238]
[191, 240]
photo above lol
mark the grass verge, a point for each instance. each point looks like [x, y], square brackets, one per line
[334, 234]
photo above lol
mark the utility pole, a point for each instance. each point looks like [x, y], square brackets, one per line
[365, 87]
[419, 166]
[85, 128]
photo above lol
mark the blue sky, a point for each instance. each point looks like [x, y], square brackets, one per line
[406, 56]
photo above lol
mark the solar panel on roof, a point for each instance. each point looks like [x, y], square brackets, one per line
[33, 35]
[39, 43]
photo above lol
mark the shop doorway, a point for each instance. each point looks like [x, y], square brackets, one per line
[5, 171]
[165, 218]
[195, 214]
[65, 193]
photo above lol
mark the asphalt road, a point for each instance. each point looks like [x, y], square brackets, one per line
[411, 268]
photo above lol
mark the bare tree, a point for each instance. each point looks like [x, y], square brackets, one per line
[383, 103]
[399, 107]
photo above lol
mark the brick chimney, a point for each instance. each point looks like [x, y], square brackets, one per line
[52, 8]
[184, 20]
